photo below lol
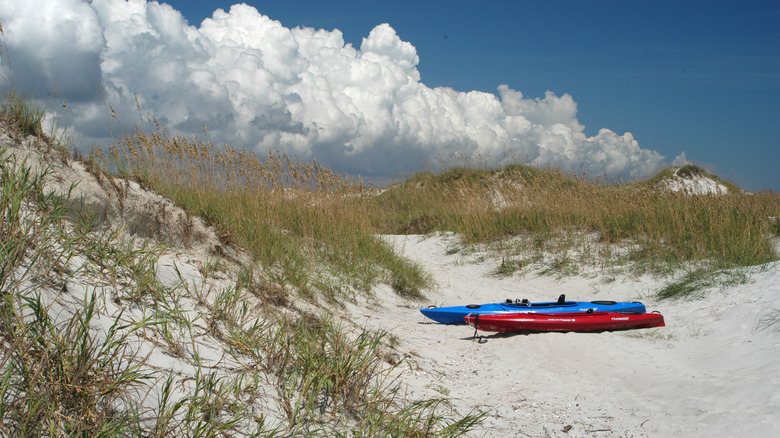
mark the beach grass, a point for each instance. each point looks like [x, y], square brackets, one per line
[316, 229]
[75, 370]
[564, 213]
[24, 113]
[301, 220]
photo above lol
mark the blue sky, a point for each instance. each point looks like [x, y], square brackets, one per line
[634, 84]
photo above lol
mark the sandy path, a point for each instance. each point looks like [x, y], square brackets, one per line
[710, 372]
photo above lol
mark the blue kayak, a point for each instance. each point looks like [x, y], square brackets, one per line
[455, 314]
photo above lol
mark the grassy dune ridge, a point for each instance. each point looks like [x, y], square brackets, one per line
[296, 215]
[662, 227]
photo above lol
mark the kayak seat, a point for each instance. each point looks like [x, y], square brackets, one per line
[562, 299]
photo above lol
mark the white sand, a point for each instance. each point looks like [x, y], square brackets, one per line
[710, 372]
[696, 185]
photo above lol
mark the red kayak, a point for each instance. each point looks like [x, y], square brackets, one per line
[564, 322]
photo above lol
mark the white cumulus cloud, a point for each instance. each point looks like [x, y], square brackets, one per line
[257, 84]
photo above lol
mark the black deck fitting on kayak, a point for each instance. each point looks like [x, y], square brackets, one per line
[562, 299]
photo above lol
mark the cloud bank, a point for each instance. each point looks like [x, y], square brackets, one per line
[256, 84]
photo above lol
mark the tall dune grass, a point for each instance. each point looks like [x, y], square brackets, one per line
[309, 225]
[661, 228]
[290, 213]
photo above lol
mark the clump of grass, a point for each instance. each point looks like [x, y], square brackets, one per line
[700, 278]
[63, 379]
[691, 282]
[329, 380]
[509, 265]
[23, 113]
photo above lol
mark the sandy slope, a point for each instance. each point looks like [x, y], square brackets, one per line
[710, 372]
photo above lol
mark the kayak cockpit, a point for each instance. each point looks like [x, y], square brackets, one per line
[524, 303]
